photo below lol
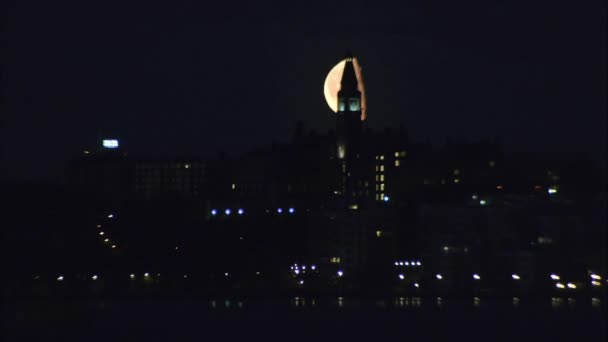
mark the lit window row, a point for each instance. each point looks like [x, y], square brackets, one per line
[408, 263]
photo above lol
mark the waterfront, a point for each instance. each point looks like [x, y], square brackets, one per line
[338, 318]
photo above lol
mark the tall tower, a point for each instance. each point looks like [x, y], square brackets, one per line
[348, 134]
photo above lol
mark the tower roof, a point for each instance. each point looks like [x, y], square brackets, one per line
[349, 77]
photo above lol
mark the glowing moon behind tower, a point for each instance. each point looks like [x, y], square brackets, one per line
[332, 86]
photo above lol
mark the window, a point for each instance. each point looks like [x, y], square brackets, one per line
[382, 187]
[397, 163]
[382, 178]
[403, 154]
[456, 172]
[341, 105]
[353, 104]
[381, 157]
[381, 168]
[396, 154]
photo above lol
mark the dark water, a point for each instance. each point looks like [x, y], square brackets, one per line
[318, 319]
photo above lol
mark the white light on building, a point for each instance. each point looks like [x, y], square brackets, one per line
[476, 276]
[571, 286]
[340, 273]
[110, 143]
[554, 277]
[401, 276]
[515, 277]
[438, 276]
[596, 277]
[559, 285]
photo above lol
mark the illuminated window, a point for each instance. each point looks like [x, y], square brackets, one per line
[378, 233]
[382, 187]
[456, 172]
[381, 157]
[381, 168]
[382, 178]
[377, 167]
[377, 157]
[186, 166]
[397, 163]
[233, 186]
[335, 260]
[377, 197]
[396, 154]
[341, 105]
[381, 196]
[377, 178]
[377, 187]
[403, 154]
[353, 104]
[456, 180]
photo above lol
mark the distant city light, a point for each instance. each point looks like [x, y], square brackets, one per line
[313, 267]
[101, 233]
[241, 211]
[94, 277]
[571, 286]
[226, 274]
[439, 276]
[554, 277]
[106, 240]
[482, 202]
[474, 197]
[291, 210]
[400, 263]
[596, 277]
[416, 285]
[213, 212]
[297, 271]
[113, 246]
[515, 276]
[146, 275]
[386, 198]
[476, 276]
[185, 276]
[132, 276]
[110, 143]
[499, 187]
[301, 282]
[406, 263]
[401, 276]
[340, 273]
[60, 278]
[396, 263]
[595, 283]
[551, 191]
[418, 263]
[111, 216]
[279, 210]
[227, 211]
[257, 273]
[86, 152]
[559, 285]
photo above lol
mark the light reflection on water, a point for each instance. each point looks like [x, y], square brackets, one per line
[403, 303]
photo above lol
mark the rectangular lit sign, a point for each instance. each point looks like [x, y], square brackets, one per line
[110, 143]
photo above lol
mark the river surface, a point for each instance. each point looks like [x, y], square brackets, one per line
[311, 319]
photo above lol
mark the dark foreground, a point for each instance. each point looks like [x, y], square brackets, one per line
[324, 319]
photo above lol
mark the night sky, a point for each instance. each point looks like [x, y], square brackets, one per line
[189, 77]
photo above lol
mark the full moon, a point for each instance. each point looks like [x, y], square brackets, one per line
[332, 86]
